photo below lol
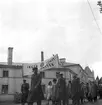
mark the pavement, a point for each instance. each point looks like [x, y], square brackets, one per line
[99, 102]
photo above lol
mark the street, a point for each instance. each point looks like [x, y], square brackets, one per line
[99, 102]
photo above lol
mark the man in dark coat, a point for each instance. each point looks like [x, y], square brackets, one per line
[25, 91]
[94, 91]
[76, 90]
[62, 89]
[82, 93]
[36, 93]
[68, 92]
[58, 89]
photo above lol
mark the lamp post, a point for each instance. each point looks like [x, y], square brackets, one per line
[99, 3]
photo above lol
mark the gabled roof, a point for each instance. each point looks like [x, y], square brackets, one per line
[69, 65]
[89, 72]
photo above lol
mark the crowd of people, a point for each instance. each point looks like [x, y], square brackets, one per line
[58, 91]
[61, 92]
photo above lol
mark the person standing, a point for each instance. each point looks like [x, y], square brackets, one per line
[62, 89]
[49, 92]
[54, 89]
[58, 102]
[24, 91]
[68, 92]
[36, 93]
[76, 90]
[82, 92]
[94, 91]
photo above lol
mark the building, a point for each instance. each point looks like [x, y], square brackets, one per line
[76, 68]
[12, 74]
[90, 73]
[10, 81]
[50, 74]
[10, 78]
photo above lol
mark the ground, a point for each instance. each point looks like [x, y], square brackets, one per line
[99, 102]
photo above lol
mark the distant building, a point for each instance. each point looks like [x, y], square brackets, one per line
[77, 68]
[90, 73]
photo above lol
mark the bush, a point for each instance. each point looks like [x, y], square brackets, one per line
[17, 97]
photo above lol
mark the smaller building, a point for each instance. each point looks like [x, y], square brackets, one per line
[50, 74]
[77, 68]
[10, 81]
[90, 73]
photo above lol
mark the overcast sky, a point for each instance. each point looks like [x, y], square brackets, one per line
[63, 27]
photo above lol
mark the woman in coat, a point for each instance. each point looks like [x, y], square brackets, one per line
[49, 92]
[54, 89]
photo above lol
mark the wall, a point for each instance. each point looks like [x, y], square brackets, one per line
[75, 68]
[50, 74]
[14, 82]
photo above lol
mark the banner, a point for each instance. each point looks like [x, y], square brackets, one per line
[27, 68]
[53, 62]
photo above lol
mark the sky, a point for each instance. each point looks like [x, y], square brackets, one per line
[63, 27]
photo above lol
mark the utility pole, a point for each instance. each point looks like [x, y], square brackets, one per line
[99, 3]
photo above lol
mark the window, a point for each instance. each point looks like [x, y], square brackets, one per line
[4, 89]
[42, 74]
[5, 73]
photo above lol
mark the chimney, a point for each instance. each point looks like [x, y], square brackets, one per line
[42, 56]
[10, 50]
[62, 60]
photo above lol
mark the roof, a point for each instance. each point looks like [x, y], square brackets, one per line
[74, 65]
[10, 66]
[60, 69]
[69, 64]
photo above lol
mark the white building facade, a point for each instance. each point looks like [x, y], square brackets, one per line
[10, 81]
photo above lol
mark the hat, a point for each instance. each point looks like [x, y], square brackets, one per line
[57, 72]
[54, 80]
[34, 68]
[24, 80]
[74, 76]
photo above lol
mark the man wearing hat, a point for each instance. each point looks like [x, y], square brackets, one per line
[25, 91]
[36, 93]
[74, 89]
[62, 93]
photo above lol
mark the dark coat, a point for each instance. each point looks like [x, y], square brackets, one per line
[94, 90]
[36, 92]
[76, 89]
[82, 91]
[62, 88]
[54, 89]
[69, 91]
[25, 91]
